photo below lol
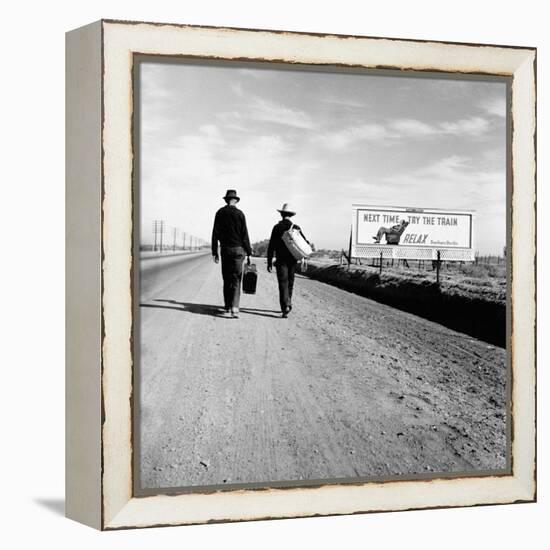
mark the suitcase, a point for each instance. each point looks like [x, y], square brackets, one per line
[250, 279]
[296, 244]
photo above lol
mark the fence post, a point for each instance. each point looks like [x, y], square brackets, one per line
[438, 263]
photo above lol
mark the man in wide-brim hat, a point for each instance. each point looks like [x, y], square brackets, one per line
[285, 263]
[231, 233]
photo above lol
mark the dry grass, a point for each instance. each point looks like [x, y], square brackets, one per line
[475, 281]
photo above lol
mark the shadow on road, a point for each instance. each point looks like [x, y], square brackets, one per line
[261, 312]
[208, 309]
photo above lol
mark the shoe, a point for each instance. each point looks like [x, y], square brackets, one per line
[235, 312]
[284, 315]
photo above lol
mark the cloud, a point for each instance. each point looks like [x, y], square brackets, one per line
[408, 128]
[153, 86]
[237, 88]
[186, 160]
[412, 128]
[268, 111]
[260, 109]
[450, 182]
[343, 102]
[473, 126]
[271, 141]
[213, 133]
[233, 120]
[208, 157]
[196, 168]
[447, 166]
[494, 157]
[452, 176]
[495, 106]
[401, 129]
[342, 139]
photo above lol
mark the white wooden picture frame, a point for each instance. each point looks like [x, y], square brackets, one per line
[99, 389]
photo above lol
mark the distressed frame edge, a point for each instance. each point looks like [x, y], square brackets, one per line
[525, 488]
[517, 492]
[314, 34]
[524, 271]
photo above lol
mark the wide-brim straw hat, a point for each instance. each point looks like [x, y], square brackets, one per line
[286, 209]
[231, 194]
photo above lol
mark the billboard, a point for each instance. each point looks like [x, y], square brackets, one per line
[412, 233]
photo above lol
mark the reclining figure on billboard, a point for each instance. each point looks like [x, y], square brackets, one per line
[393, 233]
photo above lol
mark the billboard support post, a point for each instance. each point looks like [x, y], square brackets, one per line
[437, 265]
[380, 263]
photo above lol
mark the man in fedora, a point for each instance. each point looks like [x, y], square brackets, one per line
[231, 232]
[285, 263]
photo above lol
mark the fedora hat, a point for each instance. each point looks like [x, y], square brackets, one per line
[231, 194]
[286, 209]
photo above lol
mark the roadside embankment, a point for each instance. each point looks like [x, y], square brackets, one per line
[477, 308]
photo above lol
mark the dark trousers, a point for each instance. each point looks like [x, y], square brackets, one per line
[232, 271]
[392, 235]
[285, 278]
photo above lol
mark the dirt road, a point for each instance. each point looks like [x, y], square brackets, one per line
[344, 387]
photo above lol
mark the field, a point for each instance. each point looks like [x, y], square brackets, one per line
[471, 297]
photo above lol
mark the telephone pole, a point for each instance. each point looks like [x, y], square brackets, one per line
[158, 230]
[161, 233]
[175, 235]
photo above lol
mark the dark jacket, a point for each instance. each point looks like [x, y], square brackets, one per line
[230, 230]
[277, 245]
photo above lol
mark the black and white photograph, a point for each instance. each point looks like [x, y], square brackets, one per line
[321, 276]
[277, 275]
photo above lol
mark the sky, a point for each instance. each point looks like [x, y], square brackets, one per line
[320, 141]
